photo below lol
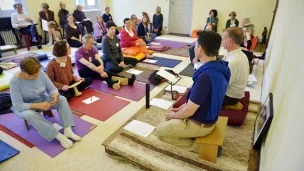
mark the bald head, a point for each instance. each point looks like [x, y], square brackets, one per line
[235, 34]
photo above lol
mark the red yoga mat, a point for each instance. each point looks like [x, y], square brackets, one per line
[102, 109]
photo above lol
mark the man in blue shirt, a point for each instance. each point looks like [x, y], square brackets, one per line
[197, 117]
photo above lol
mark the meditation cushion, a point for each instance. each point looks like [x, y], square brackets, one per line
[235, 117]
[139, 56]
[4, 78]
[238, 106]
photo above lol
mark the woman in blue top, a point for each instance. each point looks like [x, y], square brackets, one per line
[212, 19]
[32, 92]
[143, 31]
[197, 117]
[158, 22]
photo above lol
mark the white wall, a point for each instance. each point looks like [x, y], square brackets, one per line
[260, 12]
[283, 148]
[122, 9]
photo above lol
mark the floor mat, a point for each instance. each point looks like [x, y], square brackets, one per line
[182, 52]
[188, 71]
[102, 109]
[53, 148]
[165, 62]
[153, 154]
[142, 77]
[168, 43]
[7, 151]
[135, 92]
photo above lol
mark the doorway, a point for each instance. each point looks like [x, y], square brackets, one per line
[180, 19]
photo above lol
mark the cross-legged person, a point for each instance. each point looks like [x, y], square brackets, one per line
[33, 92]
[238, 64]
[143, 31]
[25, 24]
[73, 34]
[89, 64]
[112, 54]
[197, 117]
[60, 71]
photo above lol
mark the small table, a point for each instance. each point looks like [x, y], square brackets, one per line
[7, 48]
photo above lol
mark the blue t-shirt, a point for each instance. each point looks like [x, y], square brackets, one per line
[200, 94]
[107, 18]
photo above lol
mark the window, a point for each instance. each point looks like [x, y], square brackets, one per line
[87, 4]
[7, 9]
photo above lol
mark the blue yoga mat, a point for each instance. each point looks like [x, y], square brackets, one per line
[165, 62]
[6, 151]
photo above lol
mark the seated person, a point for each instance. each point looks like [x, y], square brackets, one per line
[143, 31]
[197, 117]
[112, 54]
[212, 19]
[48, 15]
[130, 43]
[107, 16]
[158, 22]
[238, 64]
[25, 24]
[90, 65]
[232, 22]
[28, 90]
[247, 45]
[80, 17]
[194, 60]
[134, 22]
[246, 21]
[60, 71]
[99, 29]
[73, 34]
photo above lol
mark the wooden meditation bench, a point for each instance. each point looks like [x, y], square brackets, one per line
[209, 144]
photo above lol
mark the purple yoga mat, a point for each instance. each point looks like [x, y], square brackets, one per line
[192, 44]
[135, 92]
[53, 148]
[172, 44]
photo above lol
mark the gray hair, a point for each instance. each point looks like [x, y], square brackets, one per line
[132, 16]
[247, 21]
[17, 3]
[78, 5]
[86, 38]
[158, 7]
[107, 7]
[68, 15]
[61, 3]
[45, 5]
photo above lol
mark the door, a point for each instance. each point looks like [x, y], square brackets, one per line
[180, 19]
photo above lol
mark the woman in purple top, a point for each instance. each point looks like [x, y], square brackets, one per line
[99, 29]
[80, 17]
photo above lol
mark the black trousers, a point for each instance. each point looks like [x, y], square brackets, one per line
[74, 43]
[230, 101]
[110, 66]
[88, 25]
[82, 86]
[87, 72]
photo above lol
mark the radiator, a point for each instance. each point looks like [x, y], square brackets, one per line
[8, 37]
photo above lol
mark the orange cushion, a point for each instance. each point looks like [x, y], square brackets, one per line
[139, 57]
[194, 34]
[254, 41]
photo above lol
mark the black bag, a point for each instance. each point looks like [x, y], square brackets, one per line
[156, 79]
[5, 103]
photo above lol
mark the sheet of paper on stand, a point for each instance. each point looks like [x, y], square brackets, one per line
[90, 100]
[57, 127]
[153, 43]
[134, 71]
[170, 77]
[140, 128]
[179, 89]
[45, 26]
[150, 61]
[161, 103]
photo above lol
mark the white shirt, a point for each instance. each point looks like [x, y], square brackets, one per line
[19, 20]
[239, 67]
[130, 32]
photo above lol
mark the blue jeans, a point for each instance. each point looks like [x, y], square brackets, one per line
[44, 127]
[152, 38]
[30, 30]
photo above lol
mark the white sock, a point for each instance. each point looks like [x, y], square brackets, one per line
[66, 143]
[70, 134]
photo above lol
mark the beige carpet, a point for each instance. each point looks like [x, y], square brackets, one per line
[153, 154]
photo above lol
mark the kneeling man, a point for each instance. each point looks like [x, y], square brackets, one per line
[197, 117]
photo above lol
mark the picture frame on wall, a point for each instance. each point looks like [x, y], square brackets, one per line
[263, 122]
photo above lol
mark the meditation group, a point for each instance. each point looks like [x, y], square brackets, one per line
[104, 50]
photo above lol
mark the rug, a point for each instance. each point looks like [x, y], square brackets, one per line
[16, 59]
[169, 43]
[188, 71]
[142, 77]
[182, 52]
[153, 154]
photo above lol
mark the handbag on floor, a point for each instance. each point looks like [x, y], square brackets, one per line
[5, 103]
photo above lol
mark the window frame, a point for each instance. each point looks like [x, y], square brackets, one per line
[90, 7]
[8, 13]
